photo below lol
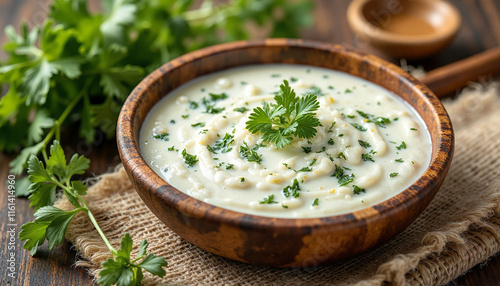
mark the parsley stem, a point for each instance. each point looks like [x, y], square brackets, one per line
[99, 230]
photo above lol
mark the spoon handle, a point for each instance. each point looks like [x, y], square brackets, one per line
[447, 79]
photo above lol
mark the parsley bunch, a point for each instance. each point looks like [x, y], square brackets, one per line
[80, 66]
[290, 116]
[51, 223]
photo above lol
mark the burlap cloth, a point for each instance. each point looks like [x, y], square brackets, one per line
[459, 229]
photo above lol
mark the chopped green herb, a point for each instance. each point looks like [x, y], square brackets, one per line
[242, 179]
[268, 200]
[292, 190]
[211, 149]
[211, 109]
[171, 148]
[204, 131]
[330, 87]
[330, 129]
[243, 82]
[342, 177]
[413, 129]
[364, 144]
[314, 90]
[402, 146]
[229, 166]
[293, 79]
[185, 116]
[308, 70]
[189, 159]
[284, 206]
[163, 136]
[241, 109]
[223, 143]
[368, 156]
[316, 202]
[392, 175]
[359, 127]
[331, 141]
[275, 75]
[172, 121]
[215, 96]
[400, 160]
[347, 90]
[325, 76]
[193, 104]
[357, 190]
[249, 154]
[199, 124]
[341, 156]
[307, 149]
[341, 135]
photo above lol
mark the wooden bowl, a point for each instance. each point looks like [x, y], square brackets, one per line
[408, 29]
[277, 241]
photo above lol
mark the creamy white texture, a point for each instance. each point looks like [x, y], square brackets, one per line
[369, 147]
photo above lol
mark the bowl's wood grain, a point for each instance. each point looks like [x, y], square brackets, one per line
[272, 241]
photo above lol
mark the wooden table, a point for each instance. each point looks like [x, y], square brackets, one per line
[480, 31]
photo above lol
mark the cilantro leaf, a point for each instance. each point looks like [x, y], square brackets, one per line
[289, 116]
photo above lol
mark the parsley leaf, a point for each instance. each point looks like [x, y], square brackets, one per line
[189, 159]
[292, 190]
[289, 117]
[268, 200]
[341, 175]
[249, 154]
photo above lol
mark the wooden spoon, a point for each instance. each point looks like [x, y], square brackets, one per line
[447, 79]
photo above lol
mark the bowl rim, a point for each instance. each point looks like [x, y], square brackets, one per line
[137, 168]
[359, 22]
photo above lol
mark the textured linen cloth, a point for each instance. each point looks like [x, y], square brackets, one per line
[459, 229]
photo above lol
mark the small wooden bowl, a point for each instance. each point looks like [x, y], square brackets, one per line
[277, 241]
[408, 29]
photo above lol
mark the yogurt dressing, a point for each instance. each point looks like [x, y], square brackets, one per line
[370, 145]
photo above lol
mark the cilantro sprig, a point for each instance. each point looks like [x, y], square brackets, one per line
[291, 116]
[51, 223]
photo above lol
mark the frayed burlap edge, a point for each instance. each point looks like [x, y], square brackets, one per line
[442, 256]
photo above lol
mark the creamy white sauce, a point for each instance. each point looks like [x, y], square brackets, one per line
[375, 168]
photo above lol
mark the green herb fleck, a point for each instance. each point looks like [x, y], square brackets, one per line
[331, 141]
[341, 156]
[400, 160]
[163, 136]
[357, 190]
[268, 200]
[392, 175]
[189, 159]
[241, 109]
[193, 104]
[249, 154]
[359, 127]
[342, 177]
[402, 146]
[307, 149]
[368, 156]
[292, 190]
[185, 116]
[316, 202]
[199, 124]
[364, 144]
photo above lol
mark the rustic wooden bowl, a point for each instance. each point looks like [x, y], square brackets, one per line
[406, 28]
[277, 241]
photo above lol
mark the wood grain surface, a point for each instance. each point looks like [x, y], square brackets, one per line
[480, 31]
